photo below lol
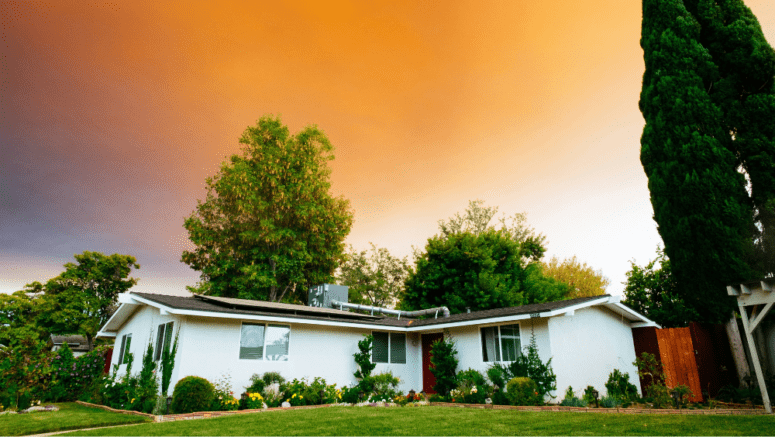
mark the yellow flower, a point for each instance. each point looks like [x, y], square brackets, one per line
[294, 395]
[301, 397]
[133, 399]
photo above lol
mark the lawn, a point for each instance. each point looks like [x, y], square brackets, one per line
[450, 421]
[69, 416]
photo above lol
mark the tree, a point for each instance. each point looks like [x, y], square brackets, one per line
[653, 292]
[374, 277]
[700, 204]
[269, 226]
[82, 298]
[583, 280]
[474, 265]
[744, 91]
[19, 314]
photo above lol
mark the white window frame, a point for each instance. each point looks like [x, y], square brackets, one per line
[167, 333]
[263, 349]
[389, 349]
[124, 348]
[500, 343]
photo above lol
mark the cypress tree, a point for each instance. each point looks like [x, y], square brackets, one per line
[745, 93]
[699, 199]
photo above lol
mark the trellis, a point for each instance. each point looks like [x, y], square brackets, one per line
[758, 295]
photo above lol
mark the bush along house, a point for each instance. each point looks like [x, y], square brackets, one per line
[586, 338]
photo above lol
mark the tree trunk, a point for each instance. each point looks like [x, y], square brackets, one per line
[89, 342]
[738, 353]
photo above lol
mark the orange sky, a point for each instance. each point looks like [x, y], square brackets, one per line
[113, 113]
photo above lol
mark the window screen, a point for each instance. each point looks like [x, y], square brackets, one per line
[168, 336]
[121, 351]
[126, 348]
[379, 351]
[251, 342]
[159, 342]
[398, 348]
[277, 340]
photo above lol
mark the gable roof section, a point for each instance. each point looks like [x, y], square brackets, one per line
[244, 309]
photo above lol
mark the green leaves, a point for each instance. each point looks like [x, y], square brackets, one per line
[269, 226]
[374, 277]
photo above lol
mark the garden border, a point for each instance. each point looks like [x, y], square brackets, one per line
[557, 408]
[719, 411]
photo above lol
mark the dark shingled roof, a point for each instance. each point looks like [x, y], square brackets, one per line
[234, 306]
[71, 340]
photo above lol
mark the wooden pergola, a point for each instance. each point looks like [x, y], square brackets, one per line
[758, 295]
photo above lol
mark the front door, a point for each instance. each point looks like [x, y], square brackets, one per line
[428, 380]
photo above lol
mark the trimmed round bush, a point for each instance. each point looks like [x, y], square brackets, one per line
[192, 394]
[523, 391]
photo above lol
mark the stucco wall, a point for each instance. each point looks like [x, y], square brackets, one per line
[210, 349]
[588, 346]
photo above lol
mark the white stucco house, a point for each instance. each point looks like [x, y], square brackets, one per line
[586, 338]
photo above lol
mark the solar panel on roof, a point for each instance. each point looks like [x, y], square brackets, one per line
[246, 303]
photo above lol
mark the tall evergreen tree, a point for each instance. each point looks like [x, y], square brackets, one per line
[745, 93]
[699, 199]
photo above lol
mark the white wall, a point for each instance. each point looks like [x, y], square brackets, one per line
[588, 346]
[143, 326]
[210, 349]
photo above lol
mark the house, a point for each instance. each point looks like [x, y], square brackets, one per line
[77, 343]
[586, 338]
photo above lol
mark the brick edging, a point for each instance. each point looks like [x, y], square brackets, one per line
[105, 407]
[733, 412]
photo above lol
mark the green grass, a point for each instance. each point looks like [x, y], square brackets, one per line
[69, 416]
[450, 421]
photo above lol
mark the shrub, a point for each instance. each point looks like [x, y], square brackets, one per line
[257, 384]
[251, 401]
[588, 396]
[498, 375]
[656, 391]
[444, 363]
[161, 406]
[167, 363]
[147, 384]
[272, 378]
[523, 391]
[365, 366]
[472, 387]
[351, 395]
[529, 365]
[385, 385]
[609, 402]
[619, 386]
[571, 400]
[191, 394]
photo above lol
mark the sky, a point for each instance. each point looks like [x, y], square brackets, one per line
[113, 114]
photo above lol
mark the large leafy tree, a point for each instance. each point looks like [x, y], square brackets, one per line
[19, 312]
[700, 203]
[652, 290]
[582, 279]
[374, 277]
[83, 297]
[269, 226]
[472, 264]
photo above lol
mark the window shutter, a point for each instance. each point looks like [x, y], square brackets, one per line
[379, 351]
[398, 348]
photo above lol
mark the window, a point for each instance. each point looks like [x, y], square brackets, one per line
[388, 348]
[123, 355]
[501, 343]
[264, 342]
[163, 339]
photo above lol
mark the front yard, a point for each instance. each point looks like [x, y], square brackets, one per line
[69, 416]
[449, 421]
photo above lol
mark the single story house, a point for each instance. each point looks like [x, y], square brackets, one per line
[586, 338]
[77, 343]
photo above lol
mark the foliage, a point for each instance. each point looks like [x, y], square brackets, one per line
[167, 363]
[19, 312]
[351, 395]
[257, 384]
[708, 103]
[610, 402]
[302, 392]
[444, 365]
[365, 366]
[653, 292]
[620, 387]
[191, 394]
[24, 372]
[251, 401]
[523, 391]
[473, 265]
[529, 365]
[121, 393]
[582, 280]
[269, 226]
[272, 378]
[498, 375]
[684, 392]
[571, 400]
[147, 383]
[588, 397]
[374, 277]
[385, 385]
[83, 297]
[71, 377]
[656, 391]
[160, 408]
